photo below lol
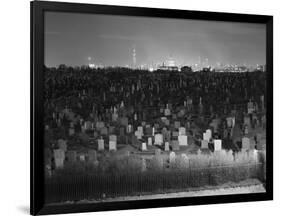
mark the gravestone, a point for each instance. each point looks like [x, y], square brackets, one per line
[251, 108]
[62, 144]
[114, 117]
[71, 156]
[167, 136]
[129, 128]
[104, 131]
[175, 133]
[167, 146]
[124, 121]
[167, 122]
[100, 144]
[182, 131]
[229, 122]
[92, 155]
[113, 138]
[122, 131]
[182, 140]
[99, 125]
[149, 141]
[140, 129]
[167, 112]
[71, 131]
[245, 143]
[112, 146]
[172, 157]
[209, 133]
[177, 124]
[217, 145]
[87, 125]
[111, 130]
[59, 157]
[175, 145]
[143, 147]
[82, 157]
[206, 137]
[158, 139]
[148, 131]
[204, 144]
[247, 120]
[138, 134]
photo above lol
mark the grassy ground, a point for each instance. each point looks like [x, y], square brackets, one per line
[243, 187]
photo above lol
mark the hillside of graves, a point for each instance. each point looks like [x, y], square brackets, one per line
[122, 132]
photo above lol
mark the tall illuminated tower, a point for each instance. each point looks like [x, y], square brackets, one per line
[134, 57]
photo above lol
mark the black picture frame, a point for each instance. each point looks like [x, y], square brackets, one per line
[38, 8]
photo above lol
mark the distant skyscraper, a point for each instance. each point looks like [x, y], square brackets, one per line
[134, 57]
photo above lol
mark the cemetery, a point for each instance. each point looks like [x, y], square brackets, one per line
[150, 133]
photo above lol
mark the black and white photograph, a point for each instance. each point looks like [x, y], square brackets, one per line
[142, 108]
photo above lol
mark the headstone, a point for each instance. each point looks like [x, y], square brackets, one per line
[140, 129]
[59, 157]
[175, 134]
[124, 121]
[71, 156]
[114, 117]
[148, 131]
[143, 147]
[206, 137]
[87, 125]
[122, 131]
[104, 131]
[82, 157]
[175, 145]
[167, 112]
[112, 146]
[182, 140]
[111, 130]
[167, 146]
[92, 154]
[251, 108]
[158, 139]
[99, 125]
[138, 134]
[229, 122]
[245, 143]
[209, 132]
[113, 138]
[167, 136]
[182, 131]
[247, 120]
[204, 144]
[217, 145]
[71, 131]
[100, 144]
[62, 144]
[172, 157]
[129, 129]
[149, 141]
[177, 124]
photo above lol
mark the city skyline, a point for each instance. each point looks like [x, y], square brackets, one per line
[79, 39]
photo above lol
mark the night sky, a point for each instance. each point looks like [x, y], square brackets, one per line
[71, 38]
